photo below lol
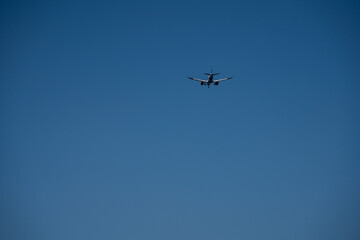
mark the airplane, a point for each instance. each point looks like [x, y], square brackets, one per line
[210, 79]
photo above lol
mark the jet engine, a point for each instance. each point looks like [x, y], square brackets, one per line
[217, 83]
[202, 83]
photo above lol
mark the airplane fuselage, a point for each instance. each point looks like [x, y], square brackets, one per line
[210, 79]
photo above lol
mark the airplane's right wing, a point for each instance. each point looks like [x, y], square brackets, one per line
[224, 79]
[196, 79]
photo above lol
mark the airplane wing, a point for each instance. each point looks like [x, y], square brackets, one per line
[196, 79]
[224, 79]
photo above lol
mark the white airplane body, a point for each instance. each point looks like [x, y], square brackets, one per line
[210, 79]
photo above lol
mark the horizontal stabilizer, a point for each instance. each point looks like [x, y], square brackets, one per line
[211, 73]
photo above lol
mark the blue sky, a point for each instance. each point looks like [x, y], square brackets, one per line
[104, 137]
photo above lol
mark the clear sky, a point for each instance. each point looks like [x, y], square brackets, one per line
[103, 136]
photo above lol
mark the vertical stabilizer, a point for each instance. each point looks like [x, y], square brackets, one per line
[211, 72]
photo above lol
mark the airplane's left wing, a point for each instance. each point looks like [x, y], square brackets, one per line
[224, 79]
[196, 79]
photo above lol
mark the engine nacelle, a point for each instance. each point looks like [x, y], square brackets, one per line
[202, 83]
[217, 83]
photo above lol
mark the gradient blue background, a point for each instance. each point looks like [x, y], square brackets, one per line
[104, 137]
